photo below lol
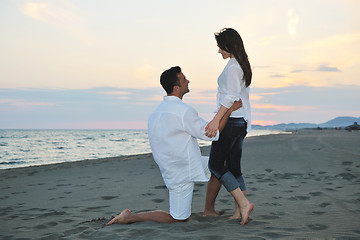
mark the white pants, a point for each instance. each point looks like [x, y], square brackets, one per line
[180, 198]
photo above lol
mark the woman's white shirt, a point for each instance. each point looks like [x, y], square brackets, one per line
[232, 87]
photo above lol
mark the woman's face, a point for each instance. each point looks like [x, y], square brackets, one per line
[225, 54]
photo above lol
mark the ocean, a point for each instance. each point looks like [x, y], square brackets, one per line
[24, 148]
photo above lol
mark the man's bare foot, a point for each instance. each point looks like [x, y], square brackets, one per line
[246, 212]
[121, 218]
[210, 213]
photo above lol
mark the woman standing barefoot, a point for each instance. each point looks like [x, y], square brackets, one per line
[225, 155]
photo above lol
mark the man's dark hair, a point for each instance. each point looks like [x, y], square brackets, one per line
[169, 79]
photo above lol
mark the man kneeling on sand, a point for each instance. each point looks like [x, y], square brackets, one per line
[173, 129]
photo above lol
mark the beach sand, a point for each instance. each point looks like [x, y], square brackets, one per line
[303, 185]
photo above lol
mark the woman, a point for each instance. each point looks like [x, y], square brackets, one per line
[225, 154]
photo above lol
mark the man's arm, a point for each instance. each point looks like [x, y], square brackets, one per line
[224, 119]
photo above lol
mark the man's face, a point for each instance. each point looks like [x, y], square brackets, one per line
[184, 83]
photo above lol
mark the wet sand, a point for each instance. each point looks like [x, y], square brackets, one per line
[303, 185]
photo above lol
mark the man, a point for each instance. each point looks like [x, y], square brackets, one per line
[173, 129]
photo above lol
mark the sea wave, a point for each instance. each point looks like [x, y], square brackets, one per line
[23, 148]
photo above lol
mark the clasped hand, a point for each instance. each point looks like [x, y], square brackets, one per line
[213, 125]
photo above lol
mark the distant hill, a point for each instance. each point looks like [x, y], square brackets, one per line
[341, 122]
[336, 122]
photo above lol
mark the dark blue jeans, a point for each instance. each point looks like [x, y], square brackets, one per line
[225, 154]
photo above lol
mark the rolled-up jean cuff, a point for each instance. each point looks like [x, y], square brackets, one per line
[229, 181]
[242, 183]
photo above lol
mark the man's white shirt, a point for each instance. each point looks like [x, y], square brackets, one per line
[173, 129]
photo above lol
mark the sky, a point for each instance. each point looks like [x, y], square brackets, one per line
[96, 64]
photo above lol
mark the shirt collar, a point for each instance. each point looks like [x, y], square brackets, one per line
[171, 98]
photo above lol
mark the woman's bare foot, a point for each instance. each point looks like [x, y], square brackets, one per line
[246, 212]
[235, 216]
[121, 218]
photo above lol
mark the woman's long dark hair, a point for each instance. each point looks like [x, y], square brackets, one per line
[229, 40]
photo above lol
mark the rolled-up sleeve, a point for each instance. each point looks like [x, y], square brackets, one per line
[195, 126]
[233, 86]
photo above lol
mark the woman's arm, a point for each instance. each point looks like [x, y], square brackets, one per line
[213, 125]
[224, 119]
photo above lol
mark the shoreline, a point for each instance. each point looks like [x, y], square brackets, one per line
[27, 149]
[303, 185]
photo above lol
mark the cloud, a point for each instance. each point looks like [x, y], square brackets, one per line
[201, 97]
[341, 96]
[59, 14]
[147, 73]
[24, 104]
[104, 125]
[35, 10]
[263, 123]
[95, 108]
[122, 93]
[261, 67]
[281, 108]
[341, 50]
[293, 20]
[266, 40]
[255, 97]
[324, 68]
[118, 94]
[277, 76]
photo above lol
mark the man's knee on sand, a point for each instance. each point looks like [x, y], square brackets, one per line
[180, 199]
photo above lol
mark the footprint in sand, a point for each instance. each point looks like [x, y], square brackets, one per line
[346, 176]
[32, 173]
[224, 200]
[268, 217]
[66, 221]
[108, 197]
[315, 194]
[94, 209]
[272, 235]
[325, 204]
[317, 227]
[274, 204]
[63, 185]
[45, 226]
[317, 213]
[148, 194]
[299, 198]
[74, 231]
[157, 200]
[52, 214]
[15, 193]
